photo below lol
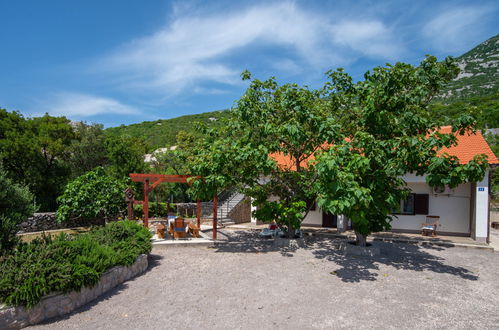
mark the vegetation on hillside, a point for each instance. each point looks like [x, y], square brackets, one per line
[485, 109]
[478, 76]
[163, 133]
[45, 153]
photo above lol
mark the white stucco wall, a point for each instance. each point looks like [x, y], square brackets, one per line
[453, 210]
[313, 218]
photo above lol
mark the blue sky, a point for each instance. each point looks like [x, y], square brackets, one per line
[121, 62]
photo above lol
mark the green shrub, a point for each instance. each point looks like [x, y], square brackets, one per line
[16, 205]
[94, 194]
[156, 210]
[68, 263]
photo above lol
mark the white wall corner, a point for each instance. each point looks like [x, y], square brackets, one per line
[482, 209]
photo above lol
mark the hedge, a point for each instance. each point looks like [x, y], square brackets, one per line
[156, 209]
[66, 263]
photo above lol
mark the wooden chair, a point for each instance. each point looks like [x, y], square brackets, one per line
[160, 230]
[194, 230]
[179, 228]
[430, 226]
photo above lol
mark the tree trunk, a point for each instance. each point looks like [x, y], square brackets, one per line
[360, 239]
[290, 232]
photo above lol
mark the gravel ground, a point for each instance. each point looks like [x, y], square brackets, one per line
[249, 283]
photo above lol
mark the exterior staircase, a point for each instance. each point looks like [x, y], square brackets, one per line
[227, 200]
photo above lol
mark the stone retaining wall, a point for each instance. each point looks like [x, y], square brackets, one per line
[58, 304]
[189, 210]
[47, 221]
[241, 212]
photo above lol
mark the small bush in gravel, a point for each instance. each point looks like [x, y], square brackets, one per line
[68, 263]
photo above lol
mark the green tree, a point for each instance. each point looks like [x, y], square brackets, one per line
[34, 153]
[87, 150]
[94, 194]
[16, 205]
[126, 155]
[288, 121]
[388, 132]
[348, 145]
[54, 136]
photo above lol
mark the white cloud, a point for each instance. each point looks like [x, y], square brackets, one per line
[371, 38]
[76, 105]
[451, 30]
[193, 49]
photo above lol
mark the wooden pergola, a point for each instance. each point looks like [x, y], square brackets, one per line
[151, 181]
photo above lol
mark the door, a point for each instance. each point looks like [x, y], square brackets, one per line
[329, 220]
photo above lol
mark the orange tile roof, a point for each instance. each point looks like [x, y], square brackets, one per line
[468, 145]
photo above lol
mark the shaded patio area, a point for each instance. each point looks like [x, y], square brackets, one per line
[449, 241]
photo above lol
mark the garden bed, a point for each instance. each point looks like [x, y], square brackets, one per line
[67, 263]
[58, 304]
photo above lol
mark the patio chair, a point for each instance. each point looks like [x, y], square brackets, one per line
[272, 231]
[194, 230]
[160, 230]
[179, 228]
[430, 226]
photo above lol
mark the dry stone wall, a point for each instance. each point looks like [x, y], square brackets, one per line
[241, 212]
[58, 304]
[48, 221]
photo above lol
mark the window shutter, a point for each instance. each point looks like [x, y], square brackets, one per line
[421, 203]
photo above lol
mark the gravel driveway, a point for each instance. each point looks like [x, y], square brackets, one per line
[248, 283]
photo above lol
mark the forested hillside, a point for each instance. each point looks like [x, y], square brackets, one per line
[162, 133]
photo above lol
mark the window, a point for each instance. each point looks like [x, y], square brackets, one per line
[407, 205]
[413, 204]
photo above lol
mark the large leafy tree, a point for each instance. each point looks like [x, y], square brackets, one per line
[125, 155]
[54, 135]
[286, 121]
[387, 133]
[348, 145]
[34, 153]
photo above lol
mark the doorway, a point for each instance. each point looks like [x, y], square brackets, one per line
[329, 220]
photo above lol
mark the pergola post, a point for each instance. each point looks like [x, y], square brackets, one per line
[198, 213]
[156, 179]
[145, 206]
[215, 207]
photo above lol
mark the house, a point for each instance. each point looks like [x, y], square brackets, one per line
[463, 211]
